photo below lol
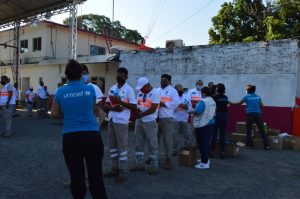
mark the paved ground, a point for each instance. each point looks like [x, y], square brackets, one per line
[32, 167]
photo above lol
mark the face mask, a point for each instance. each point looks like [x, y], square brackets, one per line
[85, 78]
[120, 80]
[3, 83]
[180, 93]
[31, 90]
[199, 87]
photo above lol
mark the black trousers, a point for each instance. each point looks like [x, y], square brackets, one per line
[80, 147]
[255, 118]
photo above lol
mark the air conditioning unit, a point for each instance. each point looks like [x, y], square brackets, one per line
[178, 43]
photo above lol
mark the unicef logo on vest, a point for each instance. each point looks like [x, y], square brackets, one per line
[73, 95]
[87, 93]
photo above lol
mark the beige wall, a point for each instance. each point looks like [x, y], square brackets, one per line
[55, 40]
[53, 74]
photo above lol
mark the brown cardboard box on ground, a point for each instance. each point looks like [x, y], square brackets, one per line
[232, 148]
[187, 157]
[257, 134]
[258, 143]
[276, 142]
[239, 137]
[273, 132]
[240, 127]
[287, 142]
[295, 143]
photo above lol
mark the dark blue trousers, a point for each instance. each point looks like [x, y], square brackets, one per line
[220, 129]
[203, 137]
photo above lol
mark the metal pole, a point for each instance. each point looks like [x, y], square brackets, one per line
[113, 11]
[73, 30]
[16, 53]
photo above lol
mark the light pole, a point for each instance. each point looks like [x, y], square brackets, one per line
[113, 11]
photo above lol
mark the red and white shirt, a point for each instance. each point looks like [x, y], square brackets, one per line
[180, 114]
[126, 94]
[194, 96]
[5, 94]
[169, 96]
[145, 101]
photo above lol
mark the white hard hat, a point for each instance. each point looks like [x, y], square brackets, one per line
[141, 82]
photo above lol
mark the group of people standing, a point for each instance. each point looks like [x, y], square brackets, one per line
[161, 113]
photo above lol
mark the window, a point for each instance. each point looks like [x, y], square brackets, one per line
[24, 46]
[96, 50]
[37, 44]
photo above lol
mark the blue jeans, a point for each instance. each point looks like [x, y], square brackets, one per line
[203, 136]
[220, 129]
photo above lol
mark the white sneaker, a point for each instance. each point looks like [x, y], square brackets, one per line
[199, 161]
[202, 166]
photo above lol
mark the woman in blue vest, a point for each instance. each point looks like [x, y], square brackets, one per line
[253, 108]
[204, 124]
[82, 142]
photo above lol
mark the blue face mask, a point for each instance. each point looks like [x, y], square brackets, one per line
[199, 87]
[85, 78]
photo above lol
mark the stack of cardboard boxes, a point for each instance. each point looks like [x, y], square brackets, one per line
[276, 141]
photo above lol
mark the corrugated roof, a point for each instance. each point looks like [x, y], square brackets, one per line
[11, 10]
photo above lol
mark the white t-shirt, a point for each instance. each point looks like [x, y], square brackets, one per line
[194, 96]
[30, 96]
[144, 103]
[41, 92]
[169, 96]
[126, 94]
[182, 115]
[98, 92]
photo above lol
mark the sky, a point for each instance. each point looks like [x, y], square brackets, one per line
[163, 20]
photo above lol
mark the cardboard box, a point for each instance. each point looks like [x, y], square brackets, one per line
[287, 143]
[295, 143]
[232, 148]
[274, 132]
[238, 137]
[240, 127]
[258, 143]
[187, 157]
[276, 142]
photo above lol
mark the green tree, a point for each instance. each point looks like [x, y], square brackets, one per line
[103, 25]
[252, 20]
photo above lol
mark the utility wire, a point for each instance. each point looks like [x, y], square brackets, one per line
[184, 21]
[159, 5]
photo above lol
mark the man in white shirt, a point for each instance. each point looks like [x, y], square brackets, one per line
[29, 100]
[7, 103]
[145, 131]
[168, 103]
[194, 95]
[121, 99]
[99, 95]
[181, 116]
[58, 86]
[42, 100]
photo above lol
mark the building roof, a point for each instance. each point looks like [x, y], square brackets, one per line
[93, 33]
[11, 10]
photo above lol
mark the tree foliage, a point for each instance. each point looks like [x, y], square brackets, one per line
[103, 25]
[253, 20]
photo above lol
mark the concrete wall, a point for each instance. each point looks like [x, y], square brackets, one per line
[271, 66]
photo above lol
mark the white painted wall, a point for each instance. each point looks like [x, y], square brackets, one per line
[271, 66]
[60, 41]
